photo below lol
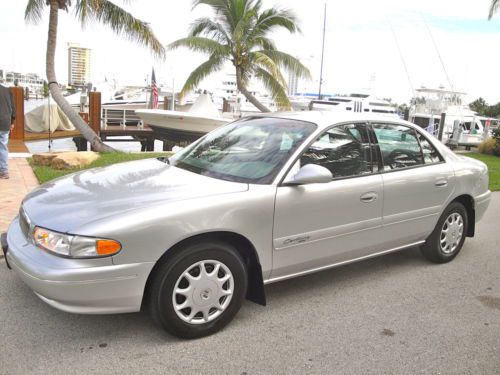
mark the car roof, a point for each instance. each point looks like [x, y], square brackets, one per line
[325, 119]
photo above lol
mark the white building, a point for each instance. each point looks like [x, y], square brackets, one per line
[30, 80]
[78, 65]
[293, 84]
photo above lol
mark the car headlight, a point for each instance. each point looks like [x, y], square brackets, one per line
[74, 246]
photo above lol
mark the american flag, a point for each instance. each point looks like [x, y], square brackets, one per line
[154, 91]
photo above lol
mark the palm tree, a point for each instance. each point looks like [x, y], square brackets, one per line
[493, 8]
[239, 33]
[104, 11]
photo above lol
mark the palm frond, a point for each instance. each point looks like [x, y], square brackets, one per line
[205, 26]
[34, 10]
[273, 18]
[120, 21]
[246, 21]
[213, 64]
[263, 43]
[221, 7]
[267, 63]
[199, 44]
[275, 88]
[493, 8]
[288, 62]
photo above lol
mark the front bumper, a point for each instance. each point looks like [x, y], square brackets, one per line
[84, 286]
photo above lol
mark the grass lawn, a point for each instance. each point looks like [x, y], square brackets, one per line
[44, 174]
[493, 163]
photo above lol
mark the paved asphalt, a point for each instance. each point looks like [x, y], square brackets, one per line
[396, 314]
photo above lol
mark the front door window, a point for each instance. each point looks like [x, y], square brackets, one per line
[344, 150]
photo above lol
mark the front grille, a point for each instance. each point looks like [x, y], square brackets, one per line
[24, 223]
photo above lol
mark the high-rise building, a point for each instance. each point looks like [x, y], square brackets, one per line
[78, 65]
[293, 83]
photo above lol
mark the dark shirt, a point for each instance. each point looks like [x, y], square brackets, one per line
[7, 109]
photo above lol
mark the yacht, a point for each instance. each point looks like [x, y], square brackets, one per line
[237, 103]
[463, 127]
[353, 103]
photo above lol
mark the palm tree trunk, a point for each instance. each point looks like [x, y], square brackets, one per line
[252, 99]
[54, 89]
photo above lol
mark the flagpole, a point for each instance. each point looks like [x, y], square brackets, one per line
[322, 55]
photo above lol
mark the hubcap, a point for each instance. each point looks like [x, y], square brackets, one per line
[203, 292]
[451, 233]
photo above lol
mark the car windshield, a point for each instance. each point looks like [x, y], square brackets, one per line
[251, 150]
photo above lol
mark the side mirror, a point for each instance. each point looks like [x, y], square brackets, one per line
[310, 174]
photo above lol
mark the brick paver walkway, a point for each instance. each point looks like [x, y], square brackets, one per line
[12, 191]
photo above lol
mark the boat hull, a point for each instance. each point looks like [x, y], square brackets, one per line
[180, 121]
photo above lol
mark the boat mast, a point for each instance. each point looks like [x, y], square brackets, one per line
[439, 55]
[402, 60]
[322, 55]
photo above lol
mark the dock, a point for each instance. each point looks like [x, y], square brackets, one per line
[17, 146]
[108, 131]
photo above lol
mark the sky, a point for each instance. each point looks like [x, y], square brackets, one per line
[370, 45]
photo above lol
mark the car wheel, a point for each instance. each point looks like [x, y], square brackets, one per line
[199, 290]
[449, 235]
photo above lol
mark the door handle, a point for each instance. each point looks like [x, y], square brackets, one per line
[369, 197]
[442, 182]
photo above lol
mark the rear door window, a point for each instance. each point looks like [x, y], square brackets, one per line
[398, 145]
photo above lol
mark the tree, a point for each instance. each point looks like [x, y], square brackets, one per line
[480, 106]
[104, 11]
[239, 33]
[493, 8]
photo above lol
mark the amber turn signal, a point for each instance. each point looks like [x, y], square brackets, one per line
[107, 247]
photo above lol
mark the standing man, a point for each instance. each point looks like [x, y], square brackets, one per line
[7, 117]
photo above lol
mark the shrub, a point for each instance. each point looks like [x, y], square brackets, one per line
[488, 146]
[491, 146]
[496, 134]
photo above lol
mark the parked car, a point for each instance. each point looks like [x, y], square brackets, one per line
[260, 200]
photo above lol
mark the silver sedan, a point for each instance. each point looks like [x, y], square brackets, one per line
[260, 200]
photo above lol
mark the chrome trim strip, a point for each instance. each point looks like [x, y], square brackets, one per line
[322, 268]
[283, 243]
[410, 219]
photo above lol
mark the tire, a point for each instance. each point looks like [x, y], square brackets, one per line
[211, 299]
[440, 247]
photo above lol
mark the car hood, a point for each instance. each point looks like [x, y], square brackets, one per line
[95, 194]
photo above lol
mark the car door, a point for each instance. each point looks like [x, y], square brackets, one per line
[417, 183]
[316, 225]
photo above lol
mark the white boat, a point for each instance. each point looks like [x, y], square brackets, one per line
[201, 118]
[353, 103]
[462, 127]
[238, 103]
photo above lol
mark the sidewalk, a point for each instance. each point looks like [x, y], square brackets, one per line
[12, 191]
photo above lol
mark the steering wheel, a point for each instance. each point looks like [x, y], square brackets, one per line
[400, 156]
